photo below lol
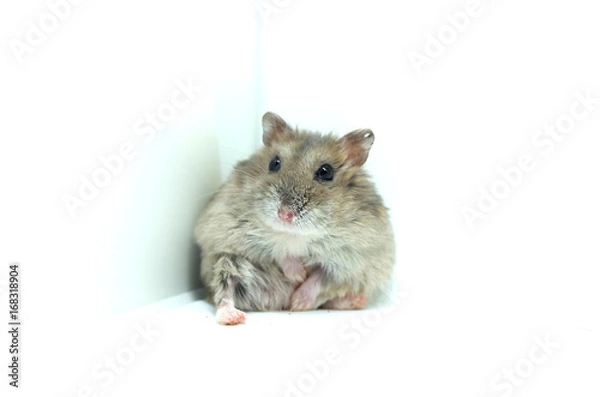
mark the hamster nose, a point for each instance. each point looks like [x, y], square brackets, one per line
[285, 216]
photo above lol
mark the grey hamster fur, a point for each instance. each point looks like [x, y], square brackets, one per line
[297, 226]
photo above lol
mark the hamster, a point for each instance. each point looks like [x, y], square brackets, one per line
[297, 226]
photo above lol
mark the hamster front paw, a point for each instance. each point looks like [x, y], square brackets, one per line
[294, 269]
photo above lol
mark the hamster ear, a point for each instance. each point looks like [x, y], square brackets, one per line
[356, 146]
[274, 128]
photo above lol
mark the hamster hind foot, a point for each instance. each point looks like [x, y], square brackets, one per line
[349, 302]
[227, 314]
[224, 284]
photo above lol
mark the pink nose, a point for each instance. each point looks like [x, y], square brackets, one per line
[285, 216]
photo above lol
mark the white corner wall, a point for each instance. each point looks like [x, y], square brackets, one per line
[441, 135]
[92, 90]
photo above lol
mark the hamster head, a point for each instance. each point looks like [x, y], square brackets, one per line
[304, 182]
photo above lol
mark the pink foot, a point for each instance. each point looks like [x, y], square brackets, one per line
[350, 302]
[305, 296]
[294, 269]
[228, 315]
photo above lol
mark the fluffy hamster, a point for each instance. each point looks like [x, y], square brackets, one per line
[297, 226]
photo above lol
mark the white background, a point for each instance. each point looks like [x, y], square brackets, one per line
[474, 299]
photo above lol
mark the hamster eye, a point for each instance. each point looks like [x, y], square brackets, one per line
[324, 173]
[275, 164]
